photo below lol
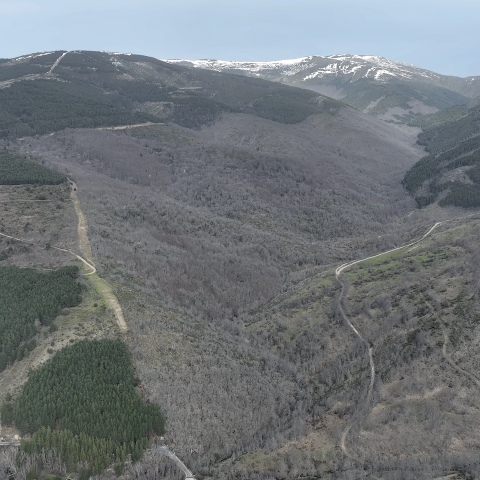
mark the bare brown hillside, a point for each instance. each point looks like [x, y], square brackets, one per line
[195, 230]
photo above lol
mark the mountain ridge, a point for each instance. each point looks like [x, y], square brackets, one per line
[349, 77]
[138, 89]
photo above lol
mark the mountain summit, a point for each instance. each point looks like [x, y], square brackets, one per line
[394, 91]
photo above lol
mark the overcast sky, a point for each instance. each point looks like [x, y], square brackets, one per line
[443, 36]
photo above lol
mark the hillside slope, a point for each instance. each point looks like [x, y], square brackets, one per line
[218, 222]
[45, 93]
[195, 229]
[416, 308]
[450, 174]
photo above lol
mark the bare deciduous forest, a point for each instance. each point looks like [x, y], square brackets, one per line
[221, 243]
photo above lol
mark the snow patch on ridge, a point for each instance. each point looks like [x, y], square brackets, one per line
[348, 67]
[287, 67]
[345, 65]
[33, 55]
[379, 73]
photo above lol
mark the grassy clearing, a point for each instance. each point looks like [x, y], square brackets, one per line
[317, 448]
[393, 265]
[294, 311]
[106, 291]
[91, 316]
[386, 257]
[102, 287]
[82, 231]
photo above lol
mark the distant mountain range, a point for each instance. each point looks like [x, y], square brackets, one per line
[107, 89]
[393, 91]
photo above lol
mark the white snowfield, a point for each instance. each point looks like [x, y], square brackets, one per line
[317, 66]
[33, 55]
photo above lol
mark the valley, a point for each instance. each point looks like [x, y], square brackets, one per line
[257, 271]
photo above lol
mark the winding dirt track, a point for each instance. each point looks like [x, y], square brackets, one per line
[370, 347]
[103, 287]
[29, 242]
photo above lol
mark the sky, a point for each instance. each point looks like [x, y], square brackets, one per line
[443, 36]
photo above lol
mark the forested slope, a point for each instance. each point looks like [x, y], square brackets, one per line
[417, 310]
[292, 358]
[451, 173]
[18, 170]
[195, 229]
[44, 106]
[218, 226]
[83, 403]
[95, 89]
[43, 295]
[71, 406]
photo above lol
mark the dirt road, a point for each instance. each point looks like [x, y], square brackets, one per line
[52, 68]
[102, 286]
[164, 450]
[126, 127]
[88, 264]
[338, 271]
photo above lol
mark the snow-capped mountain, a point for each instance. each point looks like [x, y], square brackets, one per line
[346, 67]
[374, 84]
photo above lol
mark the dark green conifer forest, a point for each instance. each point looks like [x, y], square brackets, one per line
[84, 404]
[453, 141]
[28, 300]
[36, 108]
[16, 169]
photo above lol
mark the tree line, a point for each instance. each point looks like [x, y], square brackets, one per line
[450, 151]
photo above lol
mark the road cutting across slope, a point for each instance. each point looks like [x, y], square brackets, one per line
[126, 127]
[57, 61]
[370, 347]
